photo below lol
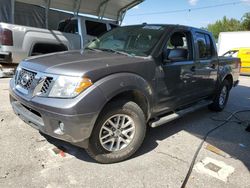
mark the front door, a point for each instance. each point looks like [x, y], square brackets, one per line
[178, 83]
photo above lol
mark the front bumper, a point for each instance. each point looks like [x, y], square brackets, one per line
[71, 127]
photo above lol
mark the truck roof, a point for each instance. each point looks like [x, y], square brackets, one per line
[173, 25]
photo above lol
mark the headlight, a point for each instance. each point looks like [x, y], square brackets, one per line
[68, 87]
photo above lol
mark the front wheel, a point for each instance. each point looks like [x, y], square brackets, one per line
[118, 133]
[221, 97]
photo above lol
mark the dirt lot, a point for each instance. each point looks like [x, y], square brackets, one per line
[26, 159]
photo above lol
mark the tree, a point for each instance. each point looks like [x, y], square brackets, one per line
[246, 21]
[224, 25]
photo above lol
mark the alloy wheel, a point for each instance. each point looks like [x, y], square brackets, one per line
[117, 132]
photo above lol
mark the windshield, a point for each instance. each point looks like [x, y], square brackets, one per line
[133, 40]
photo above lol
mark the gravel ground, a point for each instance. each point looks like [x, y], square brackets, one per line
[26, 159]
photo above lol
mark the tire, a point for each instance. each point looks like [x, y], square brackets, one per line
[221, 97]
[111, 146]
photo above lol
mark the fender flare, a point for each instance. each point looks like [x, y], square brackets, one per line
[118, 83]
[224, 72]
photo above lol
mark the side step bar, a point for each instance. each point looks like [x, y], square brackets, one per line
[179, 114]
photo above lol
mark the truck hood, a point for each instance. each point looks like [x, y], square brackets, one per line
[88, 63]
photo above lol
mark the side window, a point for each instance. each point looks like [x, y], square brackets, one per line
[95, 28]
[179, 47]
[205, 48]
[68, 26]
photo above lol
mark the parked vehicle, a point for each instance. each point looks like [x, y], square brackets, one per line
[244, 55]
[230, 40]
[104, 97]
[19, 42]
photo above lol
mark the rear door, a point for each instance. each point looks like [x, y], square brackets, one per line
[206, 63]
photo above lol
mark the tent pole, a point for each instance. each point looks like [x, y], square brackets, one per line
[123, 11]
[47, 6]
[103, 3]
[122, 17]
[104, 9]
[78, 8]
[13, 11]
[77, 4]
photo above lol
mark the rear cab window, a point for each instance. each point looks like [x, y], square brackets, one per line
[68, 26]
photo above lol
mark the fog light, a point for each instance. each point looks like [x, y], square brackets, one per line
[61, 126]
[60, 129]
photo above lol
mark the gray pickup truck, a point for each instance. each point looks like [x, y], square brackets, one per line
[103, 97]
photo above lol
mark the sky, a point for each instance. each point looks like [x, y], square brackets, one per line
[195, 18]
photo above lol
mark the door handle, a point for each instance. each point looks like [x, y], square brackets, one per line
[193, 68]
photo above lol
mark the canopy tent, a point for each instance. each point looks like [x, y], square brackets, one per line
[30, 15]
[111, 9]
[47, 13]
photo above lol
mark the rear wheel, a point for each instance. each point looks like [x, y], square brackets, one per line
[118, 133]
[221, 97]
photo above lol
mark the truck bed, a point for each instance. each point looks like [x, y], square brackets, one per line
[231, 64]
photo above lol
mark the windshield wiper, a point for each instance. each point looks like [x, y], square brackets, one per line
[113, 51]
[92, 49]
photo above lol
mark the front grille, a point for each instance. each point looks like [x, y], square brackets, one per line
[33, 83]
[46, 86]
[25, 78]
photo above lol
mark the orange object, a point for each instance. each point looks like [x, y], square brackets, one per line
[62, 154]
[84, 84]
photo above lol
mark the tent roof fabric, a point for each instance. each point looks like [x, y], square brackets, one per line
[111, 9]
